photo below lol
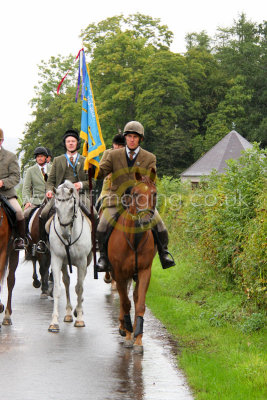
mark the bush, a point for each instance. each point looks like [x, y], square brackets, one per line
[225, 220]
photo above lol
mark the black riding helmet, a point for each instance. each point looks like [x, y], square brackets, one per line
[73, 133]
[119, 139]
[40, 150]
[49, 153]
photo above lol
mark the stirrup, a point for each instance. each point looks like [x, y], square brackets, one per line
[166, 262]
[41, 247]
[20, 244]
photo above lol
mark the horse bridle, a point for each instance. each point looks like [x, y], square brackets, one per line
[139, 211]
[70, 243]
[74, 215]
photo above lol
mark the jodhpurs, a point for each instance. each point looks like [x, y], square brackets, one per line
[108, 217]
[15, 204]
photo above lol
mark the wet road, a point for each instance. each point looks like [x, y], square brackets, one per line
[82, 363]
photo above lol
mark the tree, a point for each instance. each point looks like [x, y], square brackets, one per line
[241, 50]
[52, 114]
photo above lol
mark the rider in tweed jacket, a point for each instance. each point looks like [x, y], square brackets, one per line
[123, 163]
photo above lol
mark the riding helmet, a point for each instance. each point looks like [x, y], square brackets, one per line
[40, 150]
[73, 133]
[49, 153]
[119, 139]
[134, 127]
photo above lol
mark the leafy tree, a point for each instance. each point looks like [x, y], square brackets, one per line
[241, 50]
[52, 114]
[120, 48]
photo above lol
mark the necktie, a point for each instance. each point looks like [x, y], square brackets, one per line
[71, 159]
[44, 174]
[131, 154]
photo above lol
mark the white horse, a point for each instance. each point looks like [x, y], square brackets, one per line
[70, 243]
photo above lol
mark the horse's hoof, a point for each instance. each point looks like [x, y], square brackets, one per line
[36, 284]
[53, 328]
[43, 296]
[122, 332]
[128, 344]
[7, 321]
[2, 307]
[68, 318]
[137, 349]
[79, 324]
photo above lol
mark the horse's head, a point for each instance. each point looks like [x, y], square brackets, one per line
[66, 203]
[143, 198]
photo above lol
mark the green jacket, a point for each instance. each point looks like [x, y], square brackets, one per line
[9, 173]
[33, 190]
[57, 174]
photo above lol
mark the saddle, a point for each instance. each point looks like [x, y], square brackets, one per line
[9, 210]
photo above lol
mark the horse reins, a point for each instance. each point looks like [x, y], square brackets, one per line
[2, 214]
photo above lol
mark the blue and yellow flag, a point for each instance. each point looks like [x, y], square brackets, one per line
[90, 126]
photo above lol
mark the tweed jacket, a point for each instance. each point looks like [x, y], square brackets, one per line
[57, 174]
[122, 177]
[9, 173]
[33, 190]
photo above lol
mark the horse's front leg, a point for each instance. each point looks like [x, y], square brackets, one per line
[81, 273]
[13, 263]
[66, 280]
[125, 328]
[140, 306]
[36, 283]
[56, 268]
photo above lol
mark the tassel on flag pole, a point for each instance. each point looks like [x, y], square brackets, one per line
[62, 80]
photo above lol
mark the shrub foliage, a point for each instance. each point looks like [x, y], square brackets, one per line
[225, 220]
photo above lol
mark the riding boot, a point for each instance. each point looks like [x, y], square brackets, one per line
[20, 241]
[102, 264]
[41, 245]
[162, 243]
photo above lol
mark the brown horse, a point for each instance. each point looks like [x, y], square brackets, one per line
[131, 249]
[9, 259]
[43, 259]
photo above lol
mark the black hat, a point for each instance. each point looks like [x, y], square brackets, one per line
[40, 150]
[73, 133]
[48, 151]
[119, 139]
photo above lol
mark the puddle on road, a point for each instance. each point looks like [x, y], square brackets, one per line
[83, 363]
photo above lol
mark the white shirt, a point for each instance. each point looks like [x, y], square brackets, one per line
[44, 167]
[74, 158]
[136, 151]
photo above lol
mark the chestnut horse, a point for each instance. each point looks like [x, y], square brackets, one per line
[131, 250]
[9, 259]
[43, 259]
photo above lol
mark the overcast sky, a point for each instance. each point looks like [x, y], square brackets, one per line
[34, 30]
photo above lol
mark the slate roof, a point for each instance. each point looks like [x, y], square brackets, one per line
[229, 147]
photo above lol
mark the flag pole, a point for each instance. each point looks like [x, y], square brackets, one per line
[93, 233]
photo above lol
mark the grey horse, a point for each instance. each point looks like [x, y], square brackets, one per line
[70, 243]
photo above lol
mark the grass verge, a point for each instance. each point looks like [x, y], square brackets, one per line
[221, 340]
